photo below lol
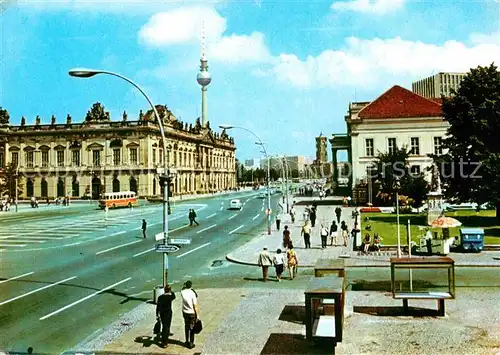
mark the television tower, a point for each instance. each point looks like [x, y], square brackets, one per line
[204, 78]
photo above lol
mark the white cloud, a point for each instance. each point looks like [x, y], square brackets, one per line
[242, 48]
[480, 38]
[183, 26]
[366, 63]
[378, 7]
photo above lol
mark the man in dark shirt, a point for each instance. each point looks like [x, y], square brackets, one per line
[144, 226]
[164, 313]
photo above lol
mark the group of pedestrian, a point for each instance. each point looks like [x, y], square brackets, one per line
[192, 217]
[281, 260]
[5, 205]
[190, 313]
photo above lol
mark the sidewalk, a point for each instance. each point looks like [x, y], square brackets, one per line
[248, 253]
[271, 320]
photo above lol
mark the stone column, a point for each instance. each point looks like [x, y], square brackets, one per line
[335, 166]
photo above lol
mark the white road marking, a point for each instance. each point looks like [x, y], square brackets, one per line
[36, 290]
[262, 209]
[12, 245]
[256, 216]
[234, 215]
[236, 229]
[17, 277]
[118, 233]
[189, 252]
[83, 299]
[213, 214]
[30, 237]
[143, 252]
[24, 240]
[118, 246]
[204, 229]
[176, 229]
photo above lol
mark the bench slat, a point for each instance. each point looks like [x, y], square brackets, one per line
[422, 295]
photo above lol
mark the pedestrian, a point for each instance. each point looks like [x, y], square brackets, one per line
[192, 217]
[366, 243]
[144, 227]
[278, 220]
[312, 216]
[287, 239]
[292, 214]
[190, 312]
[324, 236]
[293, 262]
[333, 233]
[305, 215]
[264, 262]
[164, 314]
[345, 234]
[279, 263]
[338, 213]
[306, 233]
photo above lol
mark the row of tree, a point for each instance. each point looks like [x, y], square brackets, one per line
[245, 175]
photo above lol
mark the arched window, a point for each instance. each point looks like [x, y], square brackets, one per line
[60, 188]
[44, 188]
[75, 187]
[133, 184]
[29, 187]
[116, 185]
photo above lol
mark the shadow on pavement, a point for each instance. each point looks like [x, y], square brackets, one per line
[391, 311]
[293, 314]
[293, 344]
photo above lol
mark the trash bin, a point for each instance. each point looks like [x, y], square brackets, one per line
[472, 239]
[157, 292]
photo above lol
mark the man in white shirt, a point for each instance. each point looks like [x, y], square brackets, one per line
[190, 311]
[264, 262]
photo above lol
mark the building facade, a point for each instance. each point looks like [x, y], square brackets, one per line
[398, 118]
[438, 84]
[99, 155]
[292, 163]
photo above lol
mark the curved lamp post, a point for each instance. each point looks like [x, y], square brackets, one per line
[227, 126]
[88, 73]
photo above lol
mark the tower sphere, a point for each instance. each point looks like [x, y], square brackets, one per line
[204, 78]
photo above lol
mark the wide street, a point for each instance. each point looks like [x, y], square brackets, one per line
[68, 271]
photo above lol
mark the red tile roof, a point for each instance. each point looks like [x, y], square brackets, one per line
[400, 102]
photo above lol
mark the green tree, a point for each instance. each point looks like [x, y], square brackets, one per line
[274, 174]
[392, 173]
[8, 181]
[470, 169]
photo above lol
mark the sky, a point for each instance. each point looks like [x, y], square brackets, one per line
[284, 69]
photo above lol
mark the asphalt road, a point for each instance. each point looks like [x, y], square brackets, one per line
[66, 272]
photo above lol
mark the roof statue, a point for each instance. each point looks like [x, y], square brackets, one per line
[53, 120]
[23, 121]
[97, 113]
[68, 119]
[124, 116]
[4, 116]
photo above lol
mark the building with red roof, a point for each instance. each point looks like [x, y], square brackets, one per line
[397, 118]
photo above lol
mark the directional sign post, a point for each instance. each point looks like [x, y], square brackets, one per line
[179, 240]
[166, 248]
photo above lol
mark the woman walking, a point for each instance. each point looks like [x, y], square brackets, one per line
[293, 262]
[345, 234]
[279, 263]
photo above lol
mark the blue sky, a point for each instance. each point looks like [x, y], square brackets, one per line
[285, 69]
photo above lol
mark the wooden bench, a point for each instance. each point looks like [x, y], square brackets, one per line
[329, 267]
[426, 263]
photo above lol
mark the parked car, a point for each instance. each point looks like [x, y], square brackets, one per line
[235, 205]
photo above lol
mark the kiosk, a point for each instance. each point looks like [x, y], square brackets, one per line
[325, 297]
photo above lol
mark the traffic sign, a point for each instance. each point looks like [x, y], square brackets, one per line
[166, 248]
[179, 240]
[159, 236]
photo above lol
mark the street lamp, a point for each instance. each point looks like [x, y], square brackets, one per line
[397, 186]
[87, 73]
[226, 126]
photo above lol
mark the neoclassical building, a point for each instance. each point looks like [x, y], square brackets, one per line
[397, 118]
[83, 159]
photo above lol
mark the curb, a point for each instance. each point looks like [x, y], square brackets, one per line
[230, 258]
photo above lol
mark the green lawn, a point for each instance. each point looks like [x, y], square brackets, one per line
[385, 225]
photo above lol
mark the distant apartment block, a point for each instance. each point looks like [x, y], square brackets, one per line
[292, 163]
[437, 85]
[252, 163]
